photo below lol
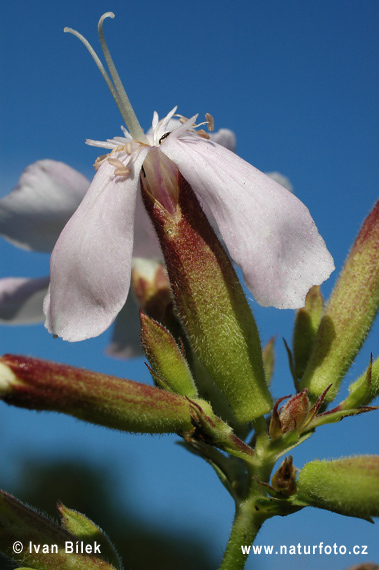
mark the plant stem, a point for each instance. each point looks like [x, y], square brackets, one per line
[247, 522]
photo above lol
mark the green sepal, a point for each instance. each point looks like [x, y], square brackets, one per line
[365, 389]
[84, 529]
[348, 486]
[307, 321]
[166, 359]
[336, 415]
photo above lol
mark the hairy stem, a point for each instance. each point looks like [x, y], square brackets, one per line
[247, 522]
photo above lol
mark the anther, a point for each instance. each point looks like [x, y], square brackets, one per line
[120, 168]
[203, 134]
[210, 121]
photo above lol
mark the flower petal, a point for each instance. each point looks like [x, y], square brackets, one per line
[21, 300]
[91, 262]
[35, 212]
[269, 233]
[126, 340]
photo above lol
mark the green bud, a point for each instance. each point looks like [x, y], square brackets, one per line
[307, 321]
[84, 529]
[363, 390]
[347, 486]
[97, 398]
[167, 360]
[41, 543]
[209, 298]
[349, 314]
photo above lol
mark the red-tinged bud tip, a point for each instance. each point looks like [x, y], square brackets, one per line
[294, 413]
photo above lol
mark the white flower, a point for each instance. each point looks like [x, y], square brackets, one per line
[268, 232]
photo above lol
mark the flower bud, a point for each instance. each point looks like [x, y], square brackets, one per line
[211, 302]
[167, 361]
[284, 480]
[295, 412]
[291, 416]
[347, 486]
[84, 529]
[349, 313]
[97, 398]
[306, 324]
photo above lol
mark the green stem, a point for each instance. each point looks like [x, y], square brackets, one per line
[246, 525]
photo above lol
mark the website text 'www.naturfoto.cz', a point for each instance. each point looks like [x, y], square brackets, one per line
[306, 549]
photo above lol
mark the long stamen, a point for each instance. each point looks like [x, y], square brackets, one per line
[117, 90]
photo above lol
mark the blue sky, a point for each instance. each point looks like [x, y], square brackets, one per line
[297, 82]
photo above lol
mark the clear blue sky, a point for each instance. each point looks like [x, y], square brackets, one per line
[297, 82]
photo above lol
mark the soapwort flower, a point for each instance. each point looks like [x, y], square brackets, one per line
[268, 232]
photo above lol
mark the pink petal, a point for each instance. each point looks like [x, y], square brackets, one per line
[91, 262]
[269, 233]
[21, 300]
[35, 212]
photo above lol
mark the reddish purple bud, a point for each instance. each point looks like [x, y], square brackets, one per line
[293, 415]
[284, 480]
